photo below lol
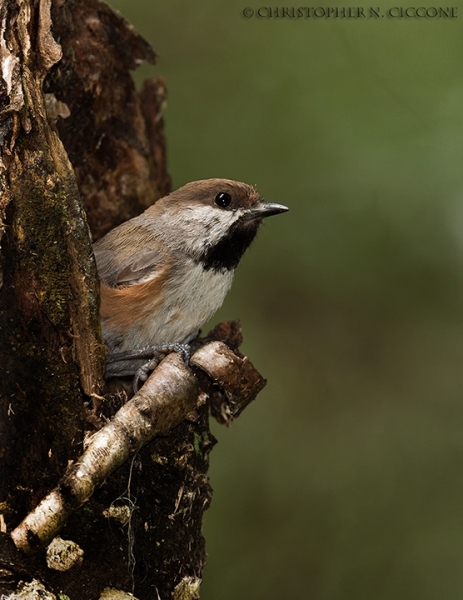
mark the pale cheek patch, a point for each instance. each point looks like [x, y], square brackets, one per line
[214, 222]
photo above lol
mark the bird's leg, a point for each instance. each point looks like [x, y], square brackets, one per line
[154, 353]
[149, 352]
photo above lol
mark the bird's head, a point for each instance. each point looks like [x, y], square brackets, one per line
[212, 220]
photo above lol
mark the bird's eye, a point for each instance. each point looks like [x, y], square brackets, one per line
[223, 199]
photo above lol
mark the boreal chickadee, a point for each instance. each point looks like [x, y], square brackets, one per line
[166, 272]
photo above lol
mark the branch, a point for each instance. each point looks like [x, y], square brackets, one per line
[167, 398]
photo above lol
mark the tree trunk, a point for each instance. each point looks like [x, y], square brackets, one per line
[82, 150]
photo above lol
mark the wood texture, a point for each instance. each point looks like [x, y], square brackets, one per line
[81, 150]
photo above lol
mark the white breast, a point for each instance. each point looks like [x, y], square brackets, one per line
[193, 298]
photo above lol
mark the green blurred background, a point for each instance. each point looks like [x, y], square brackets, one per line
[344, 480]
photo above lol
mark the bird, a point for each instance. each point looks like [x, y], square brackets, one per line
[163, 274]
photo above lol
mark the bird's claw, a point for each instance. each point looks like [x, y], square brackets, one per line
[155, 355]
[142, 373]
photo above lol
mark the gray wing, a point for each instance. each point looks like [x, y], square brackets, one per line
[118, 266]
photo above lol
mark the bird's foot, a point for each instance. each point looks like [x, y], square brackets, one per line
[154, 353]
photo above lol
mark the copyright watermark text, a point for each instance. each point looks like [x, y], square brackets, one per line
[351, 12]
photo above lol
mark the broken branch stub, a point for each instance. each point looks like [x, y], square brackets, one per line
[112, 133]
[235, 382]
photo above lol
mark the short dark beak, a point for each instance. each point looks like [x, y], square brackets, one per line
[266, 209]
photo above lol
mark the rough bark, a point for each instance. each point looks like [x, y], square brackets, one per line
[51, 351]
[81, 150]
